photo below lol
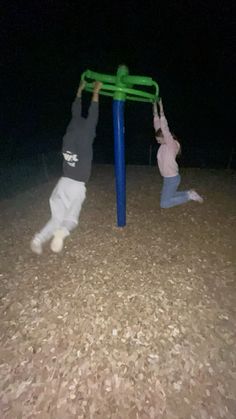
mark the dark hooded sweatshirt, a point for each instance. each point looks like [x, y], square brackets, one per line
[78, 142]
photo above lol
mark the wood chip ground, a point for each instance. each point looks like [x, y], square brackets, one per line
[131, 323]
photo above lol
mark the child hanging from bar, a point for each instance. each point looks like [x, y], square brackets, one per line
[69, 193]
[168, 167]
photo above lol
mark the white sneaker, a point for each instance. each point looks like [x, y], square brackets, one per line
[36, 246]
[58, 240]
[194, 196]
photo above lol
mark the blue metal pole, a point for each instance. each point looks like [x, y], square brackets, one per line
[119, 149]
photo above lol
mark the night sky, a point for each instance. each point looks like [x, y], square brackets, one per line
[188, 47]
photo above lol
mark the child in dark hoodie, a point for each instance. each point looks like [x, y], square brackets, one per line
[69, 194]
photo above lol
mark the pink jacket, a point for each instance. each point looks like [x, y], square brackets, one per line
[167, 152]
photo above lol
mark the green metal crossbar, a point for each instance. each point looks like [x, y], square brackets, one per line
[121, 86]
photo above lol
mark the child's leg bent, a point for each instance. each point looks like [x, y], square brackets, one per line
[169, 195]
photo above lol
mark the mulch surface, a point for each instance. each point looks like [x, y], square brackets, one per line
[125, 323]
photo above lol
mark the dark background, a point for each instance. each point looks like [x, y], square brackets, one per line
[186, 46]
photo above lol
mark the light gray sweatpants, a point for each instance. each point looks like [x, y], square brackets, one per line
[65, 203]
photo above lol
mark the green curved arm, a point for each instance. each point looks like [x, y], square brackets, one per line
[92, 75]
[121, 85]
[146, 81]
[108, 89]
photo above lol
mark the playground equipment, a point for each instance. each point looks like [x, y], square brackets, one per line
[120, 87]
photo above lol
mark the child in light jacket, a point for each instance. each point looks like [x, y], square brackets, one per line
[168, 167]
